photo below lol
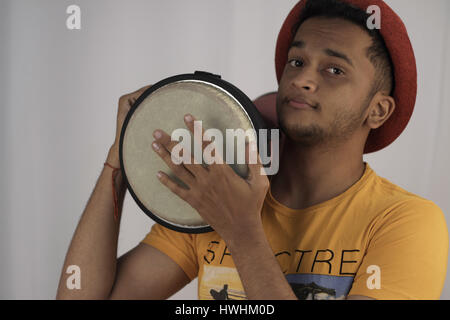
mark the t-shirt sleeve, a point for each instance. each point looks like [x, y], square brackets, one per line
[180, 247]
[409, 248]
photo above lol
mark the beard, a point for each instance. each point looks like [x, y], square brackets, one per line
[343, 126]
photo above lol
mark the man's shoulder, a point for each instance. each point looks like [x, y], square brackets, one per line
[392, 192]
[382, 198]
[397, 201]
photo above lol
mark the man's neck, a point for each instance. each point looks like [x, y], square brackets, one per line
[312, 175]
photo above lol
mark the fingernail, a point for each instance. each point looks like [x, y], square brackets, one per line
[159, 174]
[155, 146]
[157, 134]
[188, 118]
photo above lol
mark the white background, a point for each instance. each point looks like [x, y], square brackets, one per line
[59, 93]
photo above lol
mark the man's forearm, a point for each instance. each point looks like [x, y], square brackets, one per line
[259, 270]
[94, 245]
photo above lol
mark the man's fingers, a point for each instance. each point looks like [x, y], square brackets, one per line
[131, 98]
[188, 160]
[141, 90]
[193, 124]
[177, 168]
[173, 186]
[166, 140]
[251, 153]
[135, 95]
[253, 159]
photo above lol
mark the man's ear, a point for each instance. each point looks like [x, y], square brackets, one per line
[381, 108]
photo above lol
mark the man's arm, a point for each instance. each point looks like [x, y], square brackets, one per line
[259, 271]
[94, 245]
[147, 273]
[137, 274]
[142, 273]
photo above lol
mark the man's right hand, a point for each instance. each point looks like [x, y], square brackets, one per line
[125, 103]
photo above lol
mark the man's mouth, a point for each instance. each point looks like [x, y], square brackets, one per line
[301, 104]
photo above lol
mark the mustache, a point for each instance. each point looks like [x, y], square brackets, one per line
[286, 99]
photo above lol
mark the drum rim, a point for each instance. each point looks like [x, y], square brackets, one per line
[249, 107]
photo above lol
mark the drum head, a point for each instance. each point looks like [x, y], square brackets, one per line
[215, 102]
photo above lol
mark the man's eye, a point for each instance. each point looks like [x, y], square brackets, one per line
[335, 71]
[296, 63]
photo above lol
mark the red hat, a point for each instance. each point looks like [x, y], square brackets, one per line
[399, 46]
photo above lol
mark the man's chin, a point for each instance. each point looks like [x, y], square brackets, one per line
[305, 135]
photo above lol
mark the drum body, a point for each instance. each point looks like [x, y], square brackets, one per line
[216, 103]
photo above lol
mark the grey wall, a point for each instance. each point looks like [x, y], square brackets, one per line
[59, 91]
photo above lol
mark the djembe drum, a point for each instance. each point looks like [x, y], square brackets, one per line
[217, 103]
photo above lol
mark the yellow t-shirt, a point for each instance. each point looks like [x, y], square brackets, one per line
[375, 240]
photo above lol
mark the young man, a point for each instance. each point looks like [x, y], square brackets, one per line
[326, 226]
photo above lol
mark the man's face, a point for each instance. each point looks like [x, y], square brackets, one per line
[324, 90]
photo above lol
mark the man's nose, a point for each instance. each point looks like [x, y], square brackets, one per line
[306, 80]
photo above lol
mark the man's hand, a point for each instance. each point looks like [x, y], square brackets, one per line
[125, 103]
[230, 204]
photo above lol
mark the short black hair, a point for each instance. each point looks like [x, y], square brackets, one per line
[377, 53]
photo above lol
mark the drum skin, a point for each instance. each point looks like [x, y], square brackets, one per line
[216, 103]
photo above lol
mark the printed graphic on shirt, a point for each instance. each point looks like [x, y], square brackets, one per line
[320, 287]
[223, 283]
[342, 262]
[220, 283]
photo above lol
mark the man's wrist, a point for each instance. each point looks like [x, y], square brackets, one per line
[253, 237]
[113, 157]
